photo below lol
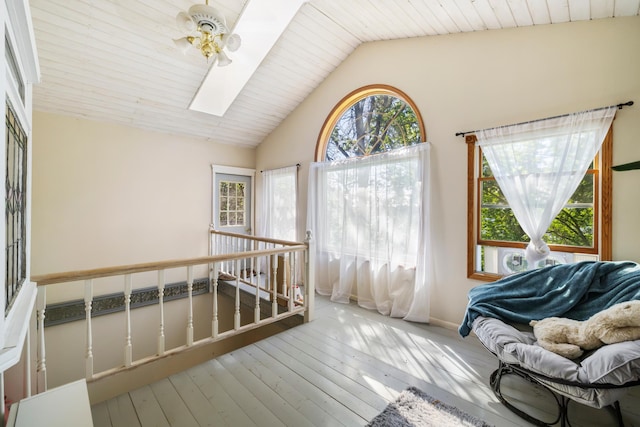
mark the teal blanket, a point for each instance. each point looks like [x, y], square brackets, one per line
[576, 291]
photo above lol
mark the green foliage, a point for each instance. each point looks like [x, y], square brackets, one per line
[372, 125]
[572, 227]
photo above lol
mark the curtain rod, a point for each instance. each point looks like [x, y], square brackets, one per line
[284, 167]
[619, 106]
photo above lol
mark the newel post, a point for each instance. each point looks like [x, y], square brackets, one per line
[310, 279]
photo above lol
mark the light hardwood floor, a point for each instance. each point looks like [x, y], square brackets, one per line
[341, 369]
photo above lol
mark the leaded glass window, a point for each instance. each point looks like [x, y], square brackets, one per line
[15, 200]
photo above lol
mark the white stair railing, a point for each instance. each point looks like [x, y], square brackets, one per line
[248, 274]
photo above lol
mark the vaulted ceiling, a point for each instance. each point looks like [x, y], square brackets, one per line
[115, 61]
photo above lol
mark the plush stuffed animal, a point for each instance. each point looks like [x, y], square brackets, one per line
[568, 337]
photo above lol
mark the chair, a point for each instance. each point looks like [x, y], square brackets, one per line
[499, 313]
[598, 379]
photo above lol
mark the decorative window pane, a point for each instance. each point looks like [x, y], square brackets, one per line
[232, 203]
[15, 200]
[13, 68]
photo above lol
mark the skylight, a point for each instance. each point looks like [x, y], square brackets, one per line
[260, 26]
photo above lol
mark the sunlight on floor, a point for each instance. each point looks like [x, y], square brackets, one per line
[387, 392]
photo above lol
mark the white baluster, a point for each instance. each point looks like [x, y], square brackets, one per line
[245, 245]
[41, 366]
[229, 249]
[236, 316]
[214, 321]
[291, 283]
[190, 315]
[255, 279]
[212, 251]
[258, 269]
[128, 347]
[310, 277]
[88, 301]
[274, 285]
[212, 241]
[256, 313]
[161, 347]
[283, 286]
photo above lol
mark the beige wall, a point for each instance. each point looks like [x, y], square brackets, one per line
[106, 194]
[477, 80]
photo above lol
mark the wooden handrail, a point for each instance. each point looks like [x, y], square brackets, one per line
[73, 276]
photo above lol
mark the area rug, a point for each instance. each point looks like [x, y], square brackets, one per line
[414, 408]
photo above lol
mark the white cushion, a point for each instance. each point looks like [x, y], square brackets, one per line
[616, 364]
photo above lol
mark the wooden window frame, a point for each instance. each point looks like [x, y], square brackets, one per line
[603, 181]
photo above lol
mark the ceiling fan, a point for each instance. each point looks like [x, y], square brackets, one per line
[208, 32]
[259, 27]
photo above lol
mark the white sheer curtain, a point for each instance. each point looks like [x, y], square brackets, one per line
[279, 203]
[370, 218]
[538, 166]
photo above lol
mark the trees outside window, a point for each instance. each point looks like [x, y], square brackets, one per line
[370, 120]
[496, 242]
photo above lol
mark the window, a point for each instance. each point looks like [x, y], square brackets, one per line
[370, 120]
[369, 206]
[280, 203]
[231, 197]
[15, 201]
[13, 69]
[496, 242]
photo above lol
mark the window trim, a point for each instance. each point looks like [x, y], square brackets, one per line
[229, 211]
[350, 99]
[602, 192]
[232, 170]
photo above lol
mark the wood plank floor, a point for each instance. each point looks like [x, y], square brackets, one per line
[342, 369]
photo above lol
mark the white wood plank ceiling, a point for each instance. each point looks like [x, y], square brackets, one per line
[115, 61]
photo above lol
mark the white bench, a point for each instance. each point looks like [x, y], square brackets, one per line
[64, 406]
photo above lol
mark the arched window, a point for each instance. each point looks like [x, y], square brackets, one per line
[368, 215]
[369, 120]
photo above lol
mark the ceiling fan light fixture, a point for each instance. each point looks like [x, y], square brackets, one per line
[185, 23]
[184, 43]
[223, 59]
[232, 42]
[207, 31]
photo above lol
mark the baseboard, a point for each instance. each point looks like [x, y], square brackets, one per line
[443, 324]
